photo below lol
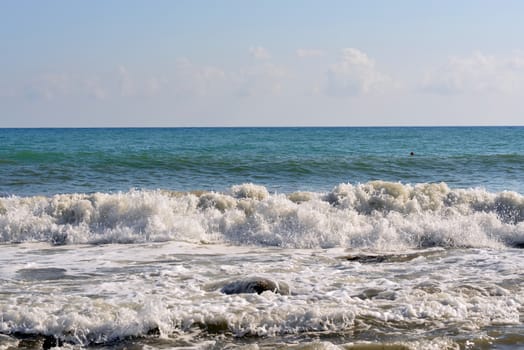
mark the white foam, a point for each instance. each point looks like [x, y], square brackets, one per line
[376, 215]
[110, 292]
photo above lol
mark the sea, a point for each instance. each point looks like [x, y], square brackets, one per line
[365, 238]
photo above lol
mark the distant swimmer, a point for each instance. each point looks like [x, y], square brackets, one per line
[412, 153]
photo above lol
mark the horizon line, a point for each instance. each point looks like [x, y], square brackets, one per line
[268, 126]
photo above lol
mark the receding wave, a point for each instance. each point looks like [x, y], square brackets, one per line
[376, 215]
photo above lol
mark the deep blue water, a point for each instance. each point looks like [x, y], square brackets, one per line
[49, 161]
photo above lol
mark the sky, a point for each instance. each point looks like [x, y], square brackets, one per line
[261, 63]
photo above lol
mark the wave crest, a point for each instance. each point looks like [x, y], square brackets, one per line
[376, 215]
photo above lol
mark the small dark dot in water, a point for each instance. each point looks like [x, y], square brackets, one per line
[411, 153]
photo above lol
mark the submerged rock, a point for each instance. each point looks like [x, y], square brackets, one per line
[255, 285]
[37, 341]
[519, 245]
[391, 258]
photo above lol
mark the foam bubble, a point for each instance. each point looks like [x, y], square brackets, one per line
[249, 191]
[107, 293]
[376, 215]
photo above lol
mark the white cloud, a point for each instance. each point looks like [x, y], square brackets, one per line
[127, 86]
[199, 80]
[95, 88]
[354, 74]
[49, 86]
[302, 53]
[260, 79]
[55, 86]
[52, 86]
[477, 73]
[259, 52]
[257, 79]
[131, 85]
[152, 86]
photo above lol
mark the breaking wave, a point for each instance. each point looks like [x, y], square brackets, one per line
[376, 215]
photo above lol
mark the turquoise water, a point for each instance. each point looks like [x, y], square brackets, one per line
[49, 161]
[126, 238]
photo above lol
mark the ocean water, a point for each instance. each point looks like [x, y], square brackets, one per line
[169, 238]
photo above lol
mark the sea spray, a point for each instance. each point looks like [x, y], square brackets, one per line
[375, 215]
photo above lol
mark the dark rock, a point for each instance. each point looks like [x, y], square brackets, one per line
[51, 342]
[255, 285]
[365, 259]
[37, 341]
[390, 258]
[44, 274]
[155, 331]
[59, 238]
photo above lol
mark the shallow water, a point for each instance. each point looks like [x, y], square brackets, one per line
[168, 295]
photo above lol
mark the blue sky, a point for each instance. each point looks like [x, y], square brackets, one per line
[245, 63]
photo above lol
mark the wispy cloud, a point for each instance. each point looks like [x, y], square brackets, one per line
[126, 84]
[259, 52]
[58, 85]
[354, 74]
[95, 88]
[477, 73]
[260, 79]
[130, 85]
[198, 80]
[49, 86]
[302, 53]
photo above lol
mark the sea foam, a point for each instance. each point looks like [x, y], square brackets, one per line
[376, 215]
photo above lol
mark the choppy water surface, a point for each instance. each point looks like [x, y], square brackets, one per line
[106, 243]
[50, 161]
[168, 295]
